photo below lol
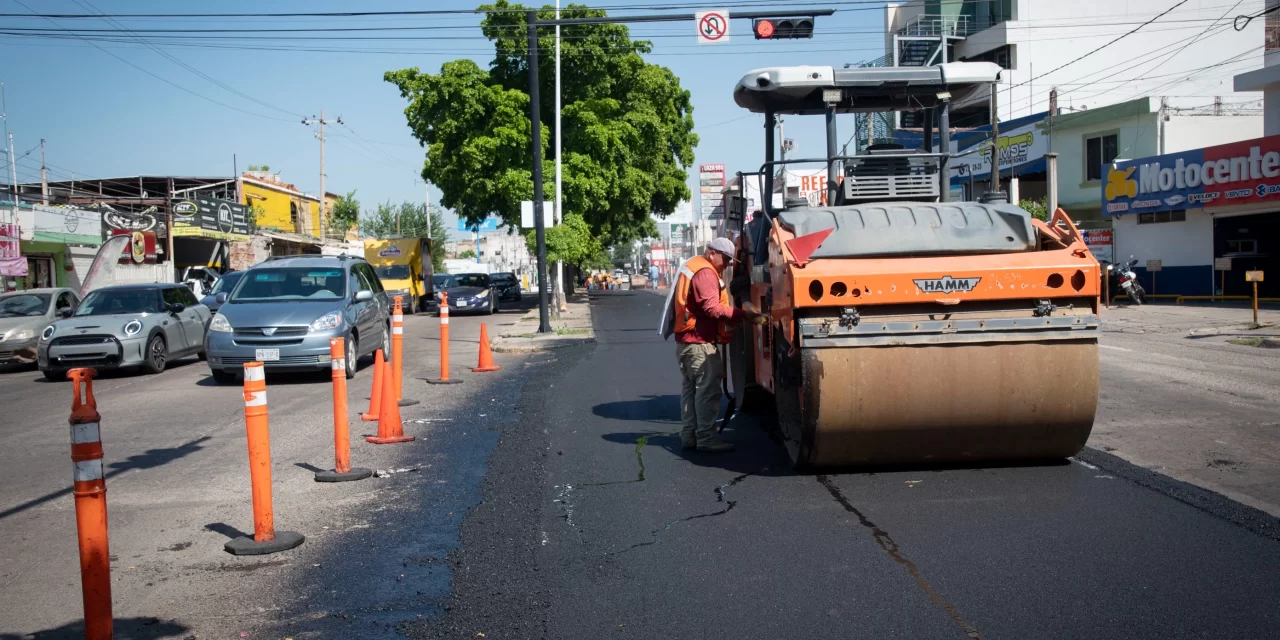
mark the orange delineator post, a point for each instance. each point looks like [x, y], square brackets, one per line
[342, 471]
[90, 491]
[397, 351]
[375, 396]
[390, 428]
[486, 356]
[444, 342]
[265, 537]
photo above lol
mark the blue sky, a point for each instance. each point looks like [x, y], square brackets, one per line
[101, 117]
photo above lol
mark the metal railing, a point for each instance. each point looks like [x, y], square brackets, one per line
[934, 25]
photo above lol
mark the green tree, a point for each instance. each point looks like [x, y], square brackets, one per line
[345, 213]
[467, 255]
[259, 167]
[628, 135]
[571, 241]
[412, 223]
[1039, 209]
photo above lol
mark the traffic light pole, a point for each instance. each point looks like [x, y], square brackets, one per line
[535, 113]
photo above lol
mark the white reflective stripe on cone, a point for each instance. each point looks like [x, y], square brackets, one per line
[396, 317]
[395, 331]
[87, 470]
[339, 364]
[255, 373]
[256, 399]
[85, 433]
[444, 319]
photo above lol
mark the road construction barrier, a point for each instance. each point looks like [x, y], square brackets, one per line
[486, 356]
[265, 538]
[390, 428]
[342, 471]
[444, 342]
[90, 491]
[375, 396]
[397, 351]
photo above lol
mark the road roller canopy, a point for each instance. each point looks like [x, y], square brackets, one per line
[806, 90]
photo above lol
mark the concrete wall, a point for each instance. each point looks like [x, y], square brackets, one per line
[1183, 133]
[1137, 133]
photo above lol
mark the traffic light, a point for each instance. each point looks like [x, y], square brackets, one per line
[783, 28]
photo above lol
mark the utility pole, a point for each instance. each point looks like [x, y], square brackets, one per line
[44, 177]
[561, 306]
[322, 122]
[535, 119]
[13, 168]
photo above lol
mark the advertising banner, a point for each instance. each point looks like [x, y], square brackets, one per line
[11, 261]
[1099, 242]
[141, 248]
[1229, 174]
[210, 218]
[491, 224]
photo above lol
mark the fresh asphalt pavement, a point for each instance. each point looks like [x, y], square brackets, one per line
[595, 524]
[178, 488]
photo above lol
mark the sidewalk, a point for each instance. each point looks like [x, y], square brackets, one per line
[1185, 392]
[572, 327]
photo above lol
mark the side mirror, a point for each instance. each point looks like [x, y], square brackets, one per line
[364, 296]
[65, 312]
[221, 298]
[177, 307]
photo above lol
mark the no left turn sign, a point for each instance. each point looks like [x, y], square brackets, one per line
[713, 26]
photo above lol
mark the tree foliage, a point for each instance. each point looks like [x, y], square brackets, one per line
[381, 223]
[571, 242]
[467, 255]
[628, 125]
[1039, 209]
[345, 213]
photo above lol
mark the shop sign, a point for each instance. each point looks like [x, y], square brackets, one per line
[1099, 242]
[11, 261]
[210, 218]
[1018, 147]
[141, 248]
[1155, 265]
[1224, 175]
[1222, 264]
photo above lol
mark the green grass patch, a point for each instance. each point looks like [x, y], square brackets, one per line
[1247, 342]
[565, 331]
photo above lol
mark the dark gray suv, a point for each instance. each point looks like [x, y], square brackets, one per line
[284, 311]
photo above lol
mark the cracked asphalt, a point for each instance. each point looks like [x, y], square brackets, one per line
[594, 524]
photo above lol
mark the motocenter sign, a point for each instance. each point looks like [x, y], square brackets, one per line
[210, 218]
[1229, 174]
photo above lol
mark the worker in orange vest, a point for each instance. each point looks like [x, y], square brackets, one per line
[698, 313]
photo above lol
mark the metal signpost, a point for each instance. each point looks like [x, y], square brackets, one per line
[1153, 266]
[1222, 265]
[1255, 277]
[535, 110]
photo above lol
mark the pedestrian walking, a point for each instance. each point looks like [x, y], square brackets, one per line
[698, 313]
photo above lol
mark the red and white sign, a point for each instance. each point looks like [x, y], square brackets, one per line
[141, 248]
[1099, 242]
[713, 26]
[11, 260]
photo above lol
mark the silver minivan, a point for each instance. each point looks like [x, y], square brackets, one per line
[284, 311]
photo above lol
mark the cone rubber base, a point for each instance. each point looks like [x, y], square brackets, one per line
[365, 417]
[246, 546]
[356, 473]
[444, 382]
[391, 440]
[485, 369]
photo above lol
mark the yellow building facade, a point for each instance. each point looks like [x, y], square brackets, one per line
[280, 206]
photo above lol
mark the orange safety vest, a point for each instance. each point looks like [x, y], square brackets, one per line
[684, 320]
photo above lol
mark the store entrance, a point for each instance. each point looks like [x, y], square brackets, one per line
[1250, 241]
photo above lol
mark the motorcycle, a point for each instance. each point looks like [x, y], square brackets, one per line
[1126, 281]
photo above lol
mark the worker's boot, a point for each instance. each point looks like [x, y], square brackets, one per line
[688, 442]
[715, 445]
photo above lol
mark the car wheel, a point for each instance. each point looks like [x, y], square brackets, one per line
[224, 377]
[202, 355]
[352, 350]
[55, 376]
[157, 355]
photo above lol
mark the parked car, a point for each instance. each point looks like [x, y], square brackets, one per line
[24, 316]
[470, 292]
[507, 285]
[134, 325]
[226, 283]
[284, 311]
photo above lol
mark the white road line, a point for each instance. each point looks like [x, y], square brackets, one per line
[1083, 464]
[1107, 346]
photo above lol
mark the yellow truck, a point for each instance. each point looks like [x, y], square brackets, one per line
[404, 266]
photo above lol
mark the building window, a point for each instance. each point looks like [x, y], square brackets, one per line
[1162, 216]
[293, 214]
[1099, 151]
[1242, 246]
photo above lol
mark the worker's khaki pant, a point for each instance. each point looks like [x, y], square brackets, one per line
[700, 393]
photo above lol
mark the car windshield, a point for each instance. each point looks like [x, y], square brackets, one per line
[226, 282]
[470, 280]
[504, 277]
[393, 272]
[17, 305]
[105, 302]
[291, 284]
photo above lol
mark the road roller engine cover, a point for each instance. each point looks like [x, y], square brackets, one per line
[907, 328]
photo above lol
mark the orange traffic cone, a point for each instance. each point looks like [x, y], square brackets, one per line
[486, 357]
[390, 429]
[375, 396]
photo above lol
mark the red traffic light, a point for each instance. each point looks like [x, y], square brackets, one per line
[764, 29]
